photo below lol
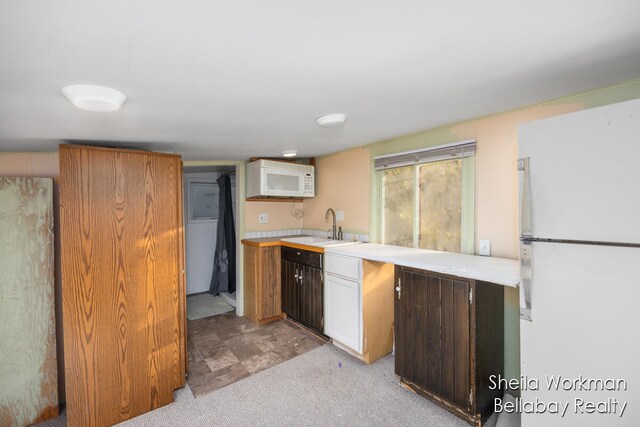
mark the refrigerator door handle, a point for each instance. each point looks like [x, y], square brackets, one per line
[525, 279]
[525, 233]
[525, 199]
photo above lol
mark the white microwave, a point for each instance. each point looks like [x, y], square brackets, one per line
[280, 179]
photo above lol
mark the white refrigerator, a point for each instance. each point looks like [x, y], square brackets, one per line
[580, 268]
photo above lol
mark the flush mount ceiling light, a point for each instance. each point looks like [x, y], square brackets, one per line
[289, 153]
[331, 120]
[94, 98]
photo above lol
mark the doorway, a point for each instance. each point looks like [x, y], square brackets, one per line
[201, 213]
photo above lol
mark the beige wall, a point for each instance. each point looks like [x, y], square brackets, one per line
[43, 165]
[342, 183]
[497, 175]
[496, 172]
[280, 217]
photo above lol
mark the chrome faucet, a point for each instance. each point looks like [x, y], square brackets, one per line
[334, 236]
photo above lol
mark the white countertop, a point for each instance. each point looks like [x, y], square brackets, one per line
[501, 271]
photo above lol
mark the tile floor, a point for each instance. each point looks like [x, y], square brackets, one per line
[205, 305]
[226, 348]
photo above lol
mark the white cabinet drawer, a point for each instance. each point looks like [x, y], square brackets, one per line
[344, 266]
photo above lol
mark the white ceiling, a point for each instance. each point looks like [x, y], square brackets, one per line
[234, 79]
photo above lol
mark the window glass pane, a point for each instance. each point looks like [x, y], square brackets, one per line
[440, 205]
[204, 200]
[398, 195]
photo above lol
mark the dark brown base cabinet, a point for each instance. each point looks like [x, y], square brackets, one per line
[302, 287]
[449, 338]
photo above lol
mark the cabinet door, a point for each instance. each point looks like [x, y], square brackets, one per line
[404, 330]
[310, 281]
[123, 293]
[342, 308]
[432, 315]
[290, 303]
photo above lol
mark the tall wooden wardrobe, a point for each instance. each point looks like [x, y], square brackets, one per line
[123, 286]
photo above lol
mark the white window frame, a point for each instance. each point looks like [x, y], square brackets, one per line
[189, 183]
[468, 203]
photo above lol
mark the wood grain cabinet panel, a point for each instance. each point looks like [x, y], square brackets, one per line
[311, 297]
[303, 287]
[262, 298]
[122, 282]
[449, 338]
[290, 289]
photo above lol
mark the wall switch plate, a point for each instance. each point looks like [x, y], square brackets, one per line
[485, 247]
[263, 218]
[339, 215]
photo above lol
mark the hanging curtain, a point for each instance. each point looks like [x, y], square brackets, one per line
[223, 278]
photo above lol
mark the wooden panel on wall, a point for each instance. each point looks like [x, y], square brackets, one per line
[403, 309]
[43, 165]
[271, 282]
[123, 282]
[28, 373]
[251, 281]
[262, 295]
[289, 289]
[434, 335]
[448, 342]
[420, 332]
[461, 342]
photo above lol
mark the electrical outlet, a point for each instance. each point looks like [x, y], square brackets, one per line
[485, 247]
[339, 215]
[263, 218]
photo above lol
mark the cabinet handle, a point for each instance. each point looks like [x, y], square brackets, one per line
[301, 278]
[296, 275]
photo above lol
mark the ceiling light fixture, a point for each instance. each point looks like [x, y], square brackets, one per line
[289, 153]
[331, 120]
[94, 98]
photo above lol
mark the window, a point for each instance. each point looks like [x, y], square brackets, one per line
[429, 204]
[203, 200]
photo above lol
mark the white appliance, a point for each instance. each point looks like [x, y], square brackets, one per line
[280, 179]
[580, 266]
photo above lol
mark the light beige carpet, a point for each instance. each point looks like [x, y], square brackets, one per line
[205, 305]
[323, 387]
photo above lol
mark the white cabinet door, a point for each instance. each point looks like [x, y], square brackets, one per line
[343, 311]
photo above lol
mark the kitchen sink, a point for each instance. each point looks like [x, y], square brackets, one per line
[317, 241]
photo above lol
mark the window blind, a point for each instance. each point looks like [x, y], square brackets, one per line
[432, 154]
